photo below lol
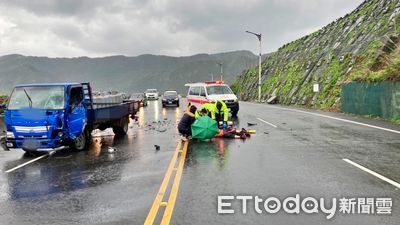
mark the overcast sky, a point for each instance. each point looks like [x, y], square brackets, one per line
[69, 28]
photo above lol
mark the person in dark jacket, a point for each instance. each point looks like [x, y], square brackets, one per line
[184, 126]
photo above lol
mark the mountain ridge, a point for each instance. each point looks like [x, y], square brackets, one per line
[127, 73]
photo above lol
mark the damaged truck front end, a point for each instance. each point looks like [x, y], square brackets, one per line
[36, 118]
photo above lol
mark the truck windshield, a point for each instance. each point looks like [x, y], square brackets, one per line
[219, 90]
[39, 97]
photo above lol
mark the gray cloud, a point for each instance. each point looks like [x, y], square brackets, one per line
[170, 27]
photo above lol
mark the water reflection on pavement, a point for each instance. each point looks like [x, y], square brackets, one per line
[95, 186]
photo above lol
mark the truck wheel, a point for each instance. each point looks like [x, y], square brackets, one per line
[81, 142]
[122, 129]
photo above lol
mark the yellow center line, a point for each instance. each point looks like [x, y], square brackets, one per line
[175, 188]
[158, 201]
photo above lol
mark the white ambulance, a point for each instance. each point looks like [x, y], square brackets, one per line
[211, 91]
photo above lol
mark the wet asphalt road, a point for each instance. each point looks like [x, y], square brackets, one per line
[302, 155]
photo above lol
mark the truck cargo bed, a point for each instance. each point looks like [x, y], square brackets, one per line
[114, 111]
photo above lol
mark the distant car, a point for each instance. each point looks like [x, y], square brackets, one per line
[151, 94]
[140, 97]
[170, 98]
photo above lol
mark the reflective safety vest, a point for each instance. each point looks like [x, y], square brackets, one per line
[212, 109]
[224, 110]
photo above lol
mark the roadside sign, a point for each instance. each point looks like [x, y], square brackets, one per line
[316, 87]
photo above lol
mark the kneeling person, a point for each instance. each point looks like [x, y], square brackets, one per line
[184, 126]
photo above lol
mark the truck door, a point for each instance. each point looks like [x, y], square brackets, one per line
[76, 111]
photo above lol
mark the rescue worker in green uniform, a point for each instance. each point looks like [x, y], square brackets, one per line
[217, 111]
[202, 112]
[221, 113]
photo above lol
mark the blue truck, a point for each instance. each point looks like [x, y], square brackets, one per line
[54, 116]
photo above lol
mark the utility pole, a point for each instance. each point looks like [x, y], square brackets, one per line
[259, 36]
[221, 69]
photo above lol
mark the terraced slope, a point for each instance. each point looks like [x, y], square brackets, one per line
[362, 45]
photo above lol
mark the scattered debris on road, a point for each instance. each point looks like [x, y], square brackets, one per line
[111, 149]
[103, 133]
[162, 130]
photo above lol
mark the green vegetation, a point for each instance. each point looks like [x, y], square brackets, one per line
[331, 90]
[293, 77]
[373, 68]
[252, 72]
[235, 86]
[395, 120]
[355, 47]
[390, 72]
[268, 85]
[373, 46]
[332, 98]
[291, 46]
[397, 23]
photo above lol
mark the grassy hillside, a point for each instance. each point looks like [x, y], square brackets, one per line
[362, 45]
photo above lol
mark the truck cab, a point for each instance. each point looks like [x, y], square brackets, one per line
[54, 116]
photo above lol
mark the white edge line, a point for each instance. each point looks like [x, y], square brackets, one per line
[339, 119]
[349, 121]
[24, 164]
[272, 125]
[392, 182]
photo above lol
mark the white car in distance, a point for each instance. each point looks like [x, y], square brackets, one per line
[151, 94]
